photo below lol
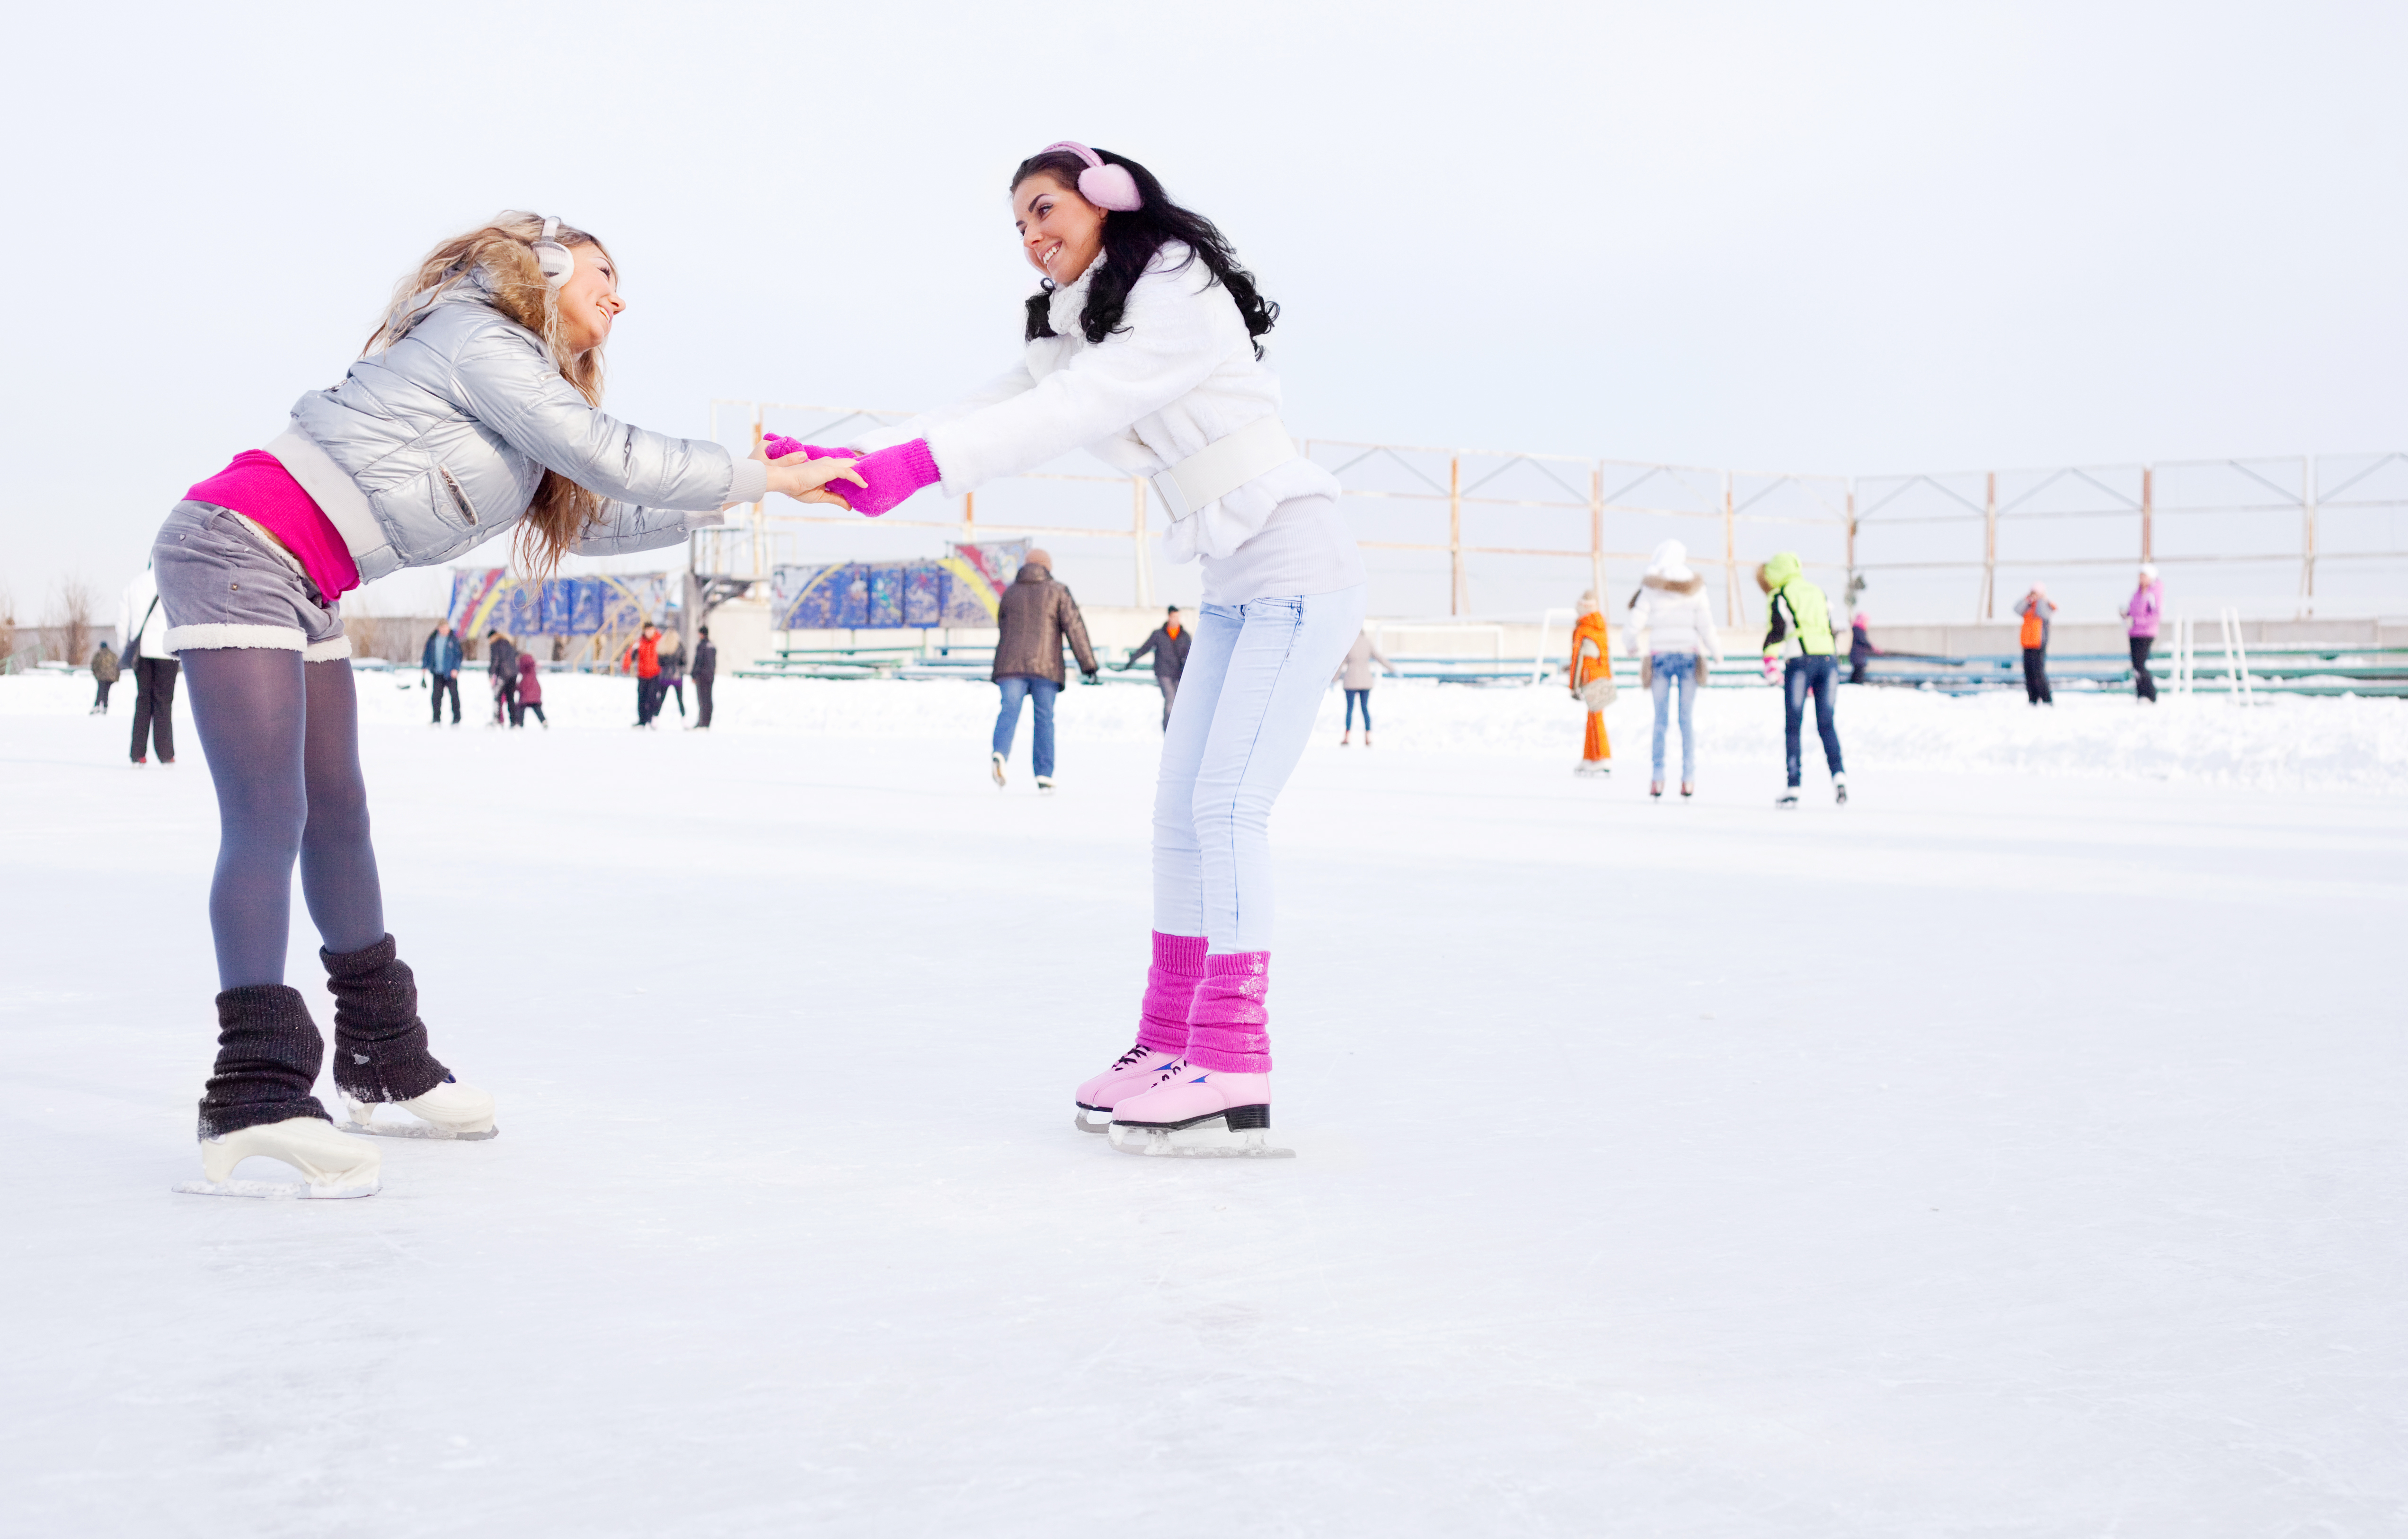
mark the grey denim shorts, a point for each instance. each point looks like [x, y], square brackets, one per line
[224, 582]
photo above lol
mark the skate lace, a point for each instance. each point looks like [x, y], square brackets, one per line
[1135, 1055]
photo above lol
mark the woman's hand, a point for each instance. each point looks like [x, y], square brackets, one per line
[807, 480]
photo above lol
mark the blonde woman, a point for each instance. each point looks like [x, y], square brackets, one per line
[471, 413]
[1669, 611]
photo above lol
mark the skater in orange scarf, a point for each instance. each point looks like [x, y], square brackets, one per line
[1591, 676]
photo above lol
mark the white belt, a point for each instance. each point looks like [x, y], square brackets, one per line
[1219, 468]
[336, 494]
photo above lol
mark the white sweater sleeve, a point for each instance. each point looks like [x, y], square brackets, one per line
[1003, 387]
[1174, 333]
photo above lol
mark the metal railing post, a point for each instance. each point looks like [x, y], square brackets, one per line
[1597, 536]
[1730, 554]
[1989, 543]
[2307, 536]
[2148, 512]
[1455, 533]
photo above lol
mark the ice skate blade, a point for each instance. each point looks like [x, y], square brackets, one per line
[1102, 1123]
[1208, 1140]
[275, 1192]
[416, 1129]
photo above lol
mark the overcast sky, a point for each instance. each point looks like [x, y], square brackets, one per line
[1851, 238]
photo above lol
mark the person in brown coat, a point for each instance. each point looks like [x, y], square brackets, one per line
[1036, 616]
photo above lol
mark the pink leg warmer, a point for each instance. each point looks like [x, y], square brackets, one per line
[1228, 1031]
[1169, 992]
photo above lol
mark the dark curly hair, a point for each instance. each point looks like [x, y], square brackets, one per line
[1130, 241]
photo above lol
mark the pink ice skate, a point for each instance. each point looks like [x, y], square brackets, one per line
[1196, 1113]
[1216, 1101]
[1132, 1072]
[1161, 1030]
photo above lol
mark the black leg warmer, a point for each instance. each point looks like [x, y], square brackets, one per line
[269, 1053]
[379, 1043]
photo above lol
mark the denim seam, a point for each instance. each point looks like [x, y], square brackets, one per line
[1296, 628]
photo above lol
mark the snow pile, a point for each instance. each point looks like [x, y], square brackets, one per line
[2289, 743]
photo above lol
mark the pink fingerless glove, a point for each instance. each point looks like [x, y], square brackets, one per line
[778, 446]
[891, 475]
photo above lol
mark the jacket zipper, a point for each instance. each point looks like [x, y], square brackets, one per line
[459, 497]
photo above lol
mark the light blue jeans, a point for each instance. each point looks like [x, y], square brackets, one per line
[1671, 670]
[1247, 702]
[1015, 687]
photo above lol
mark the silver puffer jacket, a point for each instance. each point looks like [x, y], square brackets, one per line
[439, 441]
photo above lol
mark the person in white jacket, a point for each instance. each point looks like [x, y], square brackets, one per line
[1142, 348]
[1671, 609]
[152, 664]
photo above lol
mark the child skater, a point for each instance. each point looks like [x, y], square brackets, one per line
[1141, 347]
[472, 410]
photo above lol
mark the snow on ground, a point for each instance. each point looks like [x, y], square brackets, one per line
[2006, 1154]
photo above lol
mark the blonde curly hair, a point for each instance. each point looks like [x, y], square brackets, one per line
[502, 252]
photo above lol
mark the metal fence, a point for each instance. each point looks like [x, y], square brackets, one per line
[1474, 532]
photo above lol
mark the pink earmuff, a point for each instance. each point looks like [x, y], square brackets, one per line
[1105, 186]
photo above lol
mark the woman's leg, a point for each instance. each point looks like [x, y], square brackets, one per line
[1178, 858]
[1267, 698]
[338, 866]
[1366, 715]
[250, 706]
[1692, 680]
[1659, 676]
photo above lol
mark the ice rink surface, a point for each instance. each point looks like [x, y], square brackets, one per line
[2008, 1153]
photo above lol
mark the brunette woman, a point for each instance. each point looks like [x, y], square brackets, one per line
[472, 412]
[1142, 346]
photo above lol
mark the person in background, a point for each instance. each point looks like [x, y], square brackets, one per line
[706, 669]
[2037, 610]
[104, 673]
[645, 656]
[1355, 676]
[530, 696]
[1036, 616]
[1168, 644]
[1860, 646]
[502, 671]
[1591, 676]
[442, 660]
[672, 655]
[1801, 617]
[144, 625]
[1671, 609]
[2143, 608]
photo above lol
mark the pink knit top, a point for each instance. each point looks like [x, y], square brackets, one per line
[258, 486]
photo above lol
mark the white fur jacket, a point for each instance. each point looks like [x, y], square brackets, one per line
[1179, 373]
[1674, 614]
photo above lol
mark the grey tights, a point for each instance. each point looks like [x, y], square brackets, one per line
[284, 743]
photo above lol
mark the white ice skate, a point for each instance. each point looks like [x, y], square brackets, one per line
[331, 1164]
[994, 766]
[450, 1110]
[1045, 784]
[1840, 789]
[1788, 801]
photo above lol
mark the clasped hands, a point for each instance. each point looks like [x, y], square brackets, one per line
[870, 484]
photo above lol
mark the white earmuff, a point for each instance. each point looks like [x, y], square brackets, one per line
[555, 260]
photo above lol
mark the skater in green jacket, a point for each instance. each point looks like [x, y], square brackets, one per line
[1801, 618]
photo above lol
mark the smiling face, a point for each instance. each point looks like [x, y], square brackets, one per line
[590, 301]
[1060, 231]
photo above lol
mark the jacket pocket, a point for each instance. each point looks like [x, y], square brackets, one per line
[459, 498]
